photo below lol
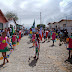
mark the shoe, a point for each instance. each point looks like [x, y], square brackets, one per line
[34, 57]
[60, 44]
[7, 61]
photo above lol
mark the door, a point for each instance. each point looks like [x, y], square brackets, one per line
[1, 25]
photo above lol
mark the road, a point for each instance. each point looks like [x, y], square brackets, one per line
[51, 59]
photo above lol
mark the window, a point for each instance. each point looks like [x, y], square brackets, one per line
[71, 28]
[64, 25]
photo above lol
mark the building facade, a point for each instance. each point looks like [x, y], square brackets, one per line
[3, 20]
[62, 24]
[11, 23]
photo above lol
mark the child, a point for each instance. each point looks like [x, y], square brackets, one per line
[53, 37]
[37, 35]
[70, 46]
[61, 38]
[14, 40]
[37, 48]
[44, 35]
[20, 34]
[17, 37]
[33, 38]
[3, 46]
[0, 32]
[49, 35]
[8, 34]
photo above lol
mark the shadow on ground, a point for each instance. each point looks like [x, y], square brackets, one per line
[28, 42]
[2, 66]
[33, 62]
[69, 60]
[10, 48]
[43, 42]
[52, 46]
[31, 47]
[48, 41]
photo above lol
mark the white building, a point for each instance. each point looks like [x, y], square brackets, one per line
[11, 23]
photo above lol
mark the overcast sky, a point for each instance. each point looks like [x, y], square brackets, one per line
[28, 10]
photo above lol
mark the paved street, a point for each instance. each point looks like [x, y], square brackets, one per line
[51, 58]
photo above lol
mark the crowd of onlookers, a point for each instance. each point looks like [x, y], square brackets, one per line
[9, 31]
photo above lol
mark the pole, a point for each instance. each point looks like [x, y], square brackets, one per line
[40, 17]
[66, 20]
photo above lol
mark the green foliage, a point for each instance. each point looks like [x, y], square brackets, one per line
[39, 25]
[11, 15]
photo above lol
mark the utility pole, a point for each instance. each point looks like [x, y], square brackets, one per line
[40, 17]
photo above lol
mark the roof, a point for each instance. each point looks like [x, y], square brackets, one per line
[59, 21]
[48, 24]
[3, 16]
[64, 20]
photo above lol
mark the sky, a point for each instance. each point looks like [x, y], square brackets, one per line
[28, 10]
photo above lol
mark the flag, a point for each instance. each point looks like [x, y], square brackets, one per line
[33, 27]
[33, 24]
[13, 31]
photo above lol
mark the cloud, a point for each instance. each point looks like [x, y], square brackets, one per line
[28, 10]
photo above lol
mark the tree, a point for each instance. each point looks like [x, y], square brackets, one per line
[10, 15]
[41, 25]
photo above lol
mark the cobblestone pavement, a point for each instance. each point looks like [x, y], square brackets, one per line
[51, 58]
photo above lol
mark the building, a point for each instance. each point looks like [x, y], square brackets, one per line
[11, 23]
[62, 24]
[19, 26]
[3, 20]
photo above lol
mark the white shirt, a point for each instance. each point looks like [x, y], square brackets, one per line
[8, 34]
[10, 30]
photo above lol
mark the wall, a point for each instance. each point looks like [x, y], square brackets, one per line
[68, 26]
[2, 20]
[60, 24]
[11, 22]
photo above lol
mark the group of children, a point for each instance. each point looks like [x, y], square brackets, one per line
[37, 36]
[51, 35]
[5, 40]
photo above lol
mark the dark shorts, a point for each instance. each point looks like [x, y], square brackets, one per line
[44, 37]
[69, 48]
[48, 36]
[61, 39]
